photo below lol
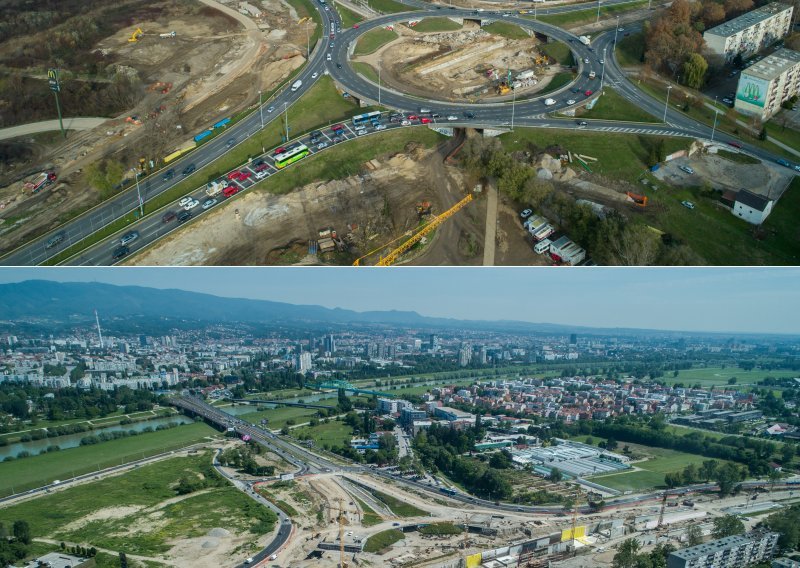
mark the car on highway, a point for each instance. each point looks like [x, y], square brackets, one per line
[588, 93]
[575, 89]
[270, 109]
[526, 213]
[797, 168]
[783, 162]
[322, 145]
[735, 144]
[727, 101]
[582, 124]
[261, 175]
[55, 239]
[331, 36]
[189, 169]
[331, 45]
[452, 117]
[687, 169]
[338, 65]
[209, 203]
[586, 60]
[168, 217]
[602, 62]
[129, 237]
[168, 175]
[120, 252]
[468, 114]
[191, 205]
[380, 127]
[230, 142]
[355, 26]
[570, 101]
[620, 29]
[687, 204]
[549, 102]
[184, 200]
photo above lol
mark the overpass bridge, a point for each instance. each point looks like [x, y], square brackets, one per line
[281, 402]
[351, 388]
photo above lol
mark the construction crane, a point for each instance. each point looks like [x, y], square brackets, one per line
[392, 257]
[136, 35]
[342, 520]
[576, 499]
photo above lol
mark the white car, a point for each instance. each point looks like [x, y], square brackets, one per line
[270, 109]
[687, 169]
[380, 127]
[184, 201]
[405, 123]
[322, 145]
[687, 204]
[360, 132]
[571, 102]
[209, 203]
[550, 102]
[452, 117]
[191, 205]
[261, 175]
[314, 75]
[586, 60]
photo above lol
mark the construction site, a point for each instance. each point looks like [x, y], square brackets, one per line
[470, 64]
[185, 64]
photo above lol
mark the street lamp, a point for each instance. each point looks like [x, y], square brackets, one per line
[603, 71]
[138, 193]
[286, 118]
[615, 35]
[598, 11]
[261, 108]
[669, 88]
[716, 113]
[513, 100]
[308, 43]
[379, 85]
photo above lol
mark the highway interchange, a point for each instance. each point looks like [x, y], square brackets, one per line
[523, 113]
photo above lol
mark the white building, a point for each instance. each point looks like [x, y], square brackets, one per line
[764, 86]
[752, 207]
[302, 362]
[750, 32]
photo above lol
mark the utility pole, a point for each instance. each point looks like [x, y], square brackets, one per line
[716, 112]
[379, 85]
[261, 108]
[603, 71]
[513, 101]
[616, 30]
[138, 192]
[55, 86]
[598, 11]
[666, 103]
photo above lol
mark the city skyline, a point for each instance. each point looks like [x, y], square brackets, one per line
[690, 299]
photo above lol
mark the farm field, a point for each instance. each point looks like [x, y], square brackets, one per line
[334, 433]
[718, 376]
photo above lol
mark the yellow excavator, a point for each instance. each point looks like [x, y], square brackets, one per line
[136, 35]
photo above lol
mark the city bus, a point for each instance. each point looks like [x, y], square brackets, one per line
[291, 156]
[364, 119]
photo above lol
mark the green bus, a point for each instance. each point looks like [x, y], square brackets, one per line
[291, 156]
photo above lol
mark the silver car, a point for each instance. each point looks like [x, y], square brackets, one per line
[129, 237]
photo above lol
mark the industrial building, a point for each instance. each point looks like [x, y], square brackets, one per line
[763, 87]
[750, 32]
[573, 459]
[730, 552]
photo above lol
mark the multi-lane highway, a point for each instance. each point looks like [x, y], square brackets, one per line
[334, 60]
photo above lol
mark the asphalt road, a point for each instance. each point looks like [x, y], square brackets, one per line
[528, 113]
[77, 123]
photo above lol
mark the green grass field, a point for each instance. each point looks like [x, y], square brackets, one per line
[370, 518]
[389, 6]
[784, 133]
[559, 52]
[718, 376]
[334, 433]
[611, 106]
[26, 473]
[510, 31]
[371, 41]
[144, 527]
[558, 81]
[570, 19]
[278, 417]
[737, 157]
[397, 506]
[347, 16]
[437, 25]
[381, 540]
[365, 69]
[630, 50]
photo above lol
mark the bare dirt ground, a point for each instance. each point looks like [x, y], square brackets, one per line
[459, 65]
[215, 69]
[723, 174]
[375, 208]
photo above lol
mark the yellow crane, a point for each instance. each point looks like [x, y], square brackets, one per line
[392, 257]
[136, 35]
[342, 519]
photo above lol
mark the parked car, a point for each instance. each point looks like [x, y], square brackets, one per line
[526, 213]
[209, 203]
[687, 204]
[380, 127]
[260, 166]
[322, 145]
[425, 120]
[405, 123]
[413, 117]
[245, 175]
[129, 237]
[687, 169]
[261, 174]
[727, 101]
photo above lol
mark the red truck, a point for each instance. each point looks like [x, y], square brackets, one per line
[43, 179]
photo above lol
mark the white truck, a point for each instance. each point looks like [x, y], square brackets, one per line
[585, 40]
[296, 85]
[215, 187]
[592, 74]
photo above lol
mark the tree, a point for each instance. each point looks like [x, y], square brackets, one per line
[555, 475]
[787, 453]
[22, 531]
[536, 191]
[123, 560]
[774, 477]
[344, 402]
[727, 477]
[762, 134]
[636, 245]
[694, 535]
[626, 556]
[673, 479]
[708, 469]
[713, 14]
[694, 70]
[727, 525]
[732, 381]
[105, 174]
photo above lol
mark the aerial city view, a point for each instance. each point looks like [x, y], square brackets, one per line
[153, 418]
[399, 132]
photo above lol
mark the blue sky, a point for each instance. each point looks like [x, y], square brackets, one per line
[692, 299]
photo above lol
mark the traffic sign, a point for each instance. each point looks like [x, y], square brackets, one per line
[52, 79]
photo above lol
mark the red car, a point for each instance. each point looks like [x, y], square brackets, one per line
[244, 175]
[332, 36]
[261, 166]
[278, 152]
[735, 144]
[588, 93]
[425, 120]
[228, 191]
[234, 174]
[355, 26]
[413, 117]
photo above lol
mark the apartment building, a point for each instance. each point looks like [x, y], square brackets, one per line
[764, 86]
[750, 32]
[730, 552]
